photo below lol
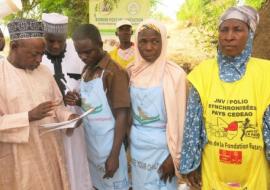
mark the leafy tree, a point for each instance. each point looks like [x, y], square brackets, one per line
[192, 10]
[204, 14]
[208, 24]
[76, 10]
[255, 3]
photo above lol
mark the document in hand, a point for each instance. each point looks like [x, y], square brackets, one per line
[66, 124]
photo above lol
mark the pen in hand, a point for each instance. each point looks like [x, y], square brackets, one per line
[65, 84]
[73, 92]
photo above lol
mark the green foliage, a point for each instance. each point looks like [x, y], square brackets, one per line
[209, 21]
[153, 10]
[76, 10]
[192, 10]
[154, 2]
[255, 3]
[204, 14]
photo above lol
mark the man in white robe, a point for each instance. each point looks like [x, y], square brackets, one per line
[64, 63]
[30, 97]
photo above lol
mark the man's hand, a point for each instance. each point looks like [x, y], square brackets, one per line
[72, 98]
[194, 179]
[111, 165]
[166, 170]
[42, 110]
[112, 162]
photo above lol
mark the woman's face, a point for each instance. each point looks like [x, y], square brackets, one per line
[149, 44]
[233, 36]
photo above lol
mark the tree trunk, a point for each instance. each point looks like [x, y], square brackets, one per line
[261, 47]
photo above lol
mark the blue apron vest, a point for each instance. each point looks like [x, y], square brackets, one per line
[99, 133]
[148, 139]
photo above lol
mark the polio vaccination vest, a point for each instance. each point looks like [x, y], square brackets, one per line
[234, 157]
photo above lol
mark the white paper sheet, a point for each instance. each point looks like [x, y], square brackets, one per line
[66, 124]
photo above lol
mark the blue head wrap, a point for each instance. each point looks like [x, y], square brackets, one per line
[233, 68]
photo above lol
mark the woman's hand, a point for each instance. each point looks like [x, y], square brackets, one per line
[193, 179]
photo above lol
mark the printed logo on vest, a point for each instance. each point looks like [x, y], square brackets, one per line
[144, 118]
[145, 166]
[86, 106]
[230, 156]
[230, 130]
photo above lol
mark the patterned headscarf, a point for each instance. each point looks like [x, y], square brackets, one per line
[244, 13]
[233, 68]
